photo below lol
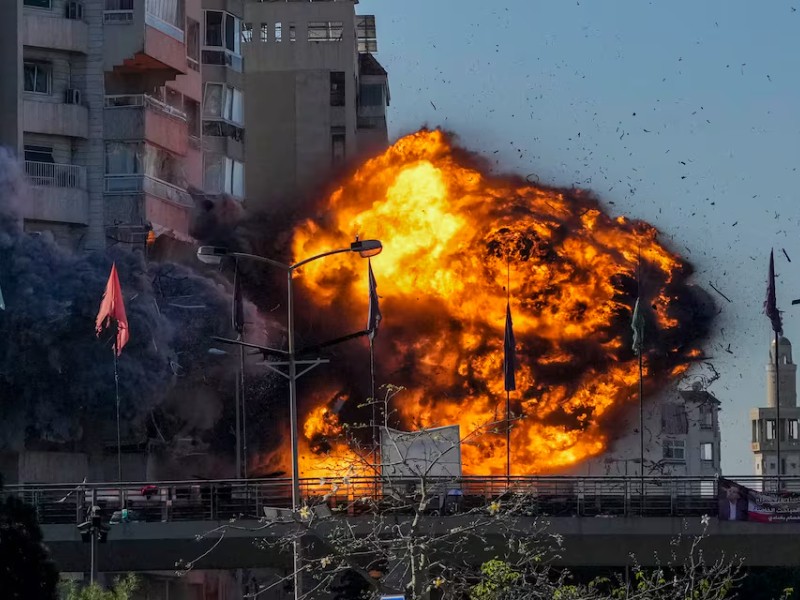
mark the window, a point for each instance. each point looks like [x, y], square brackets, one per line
[123, 158]
[278, 31]
[38, 3]
[338, 147]
[292, 33]
[366, 33]
[794, 432]
[39, 153]
[223, 102]
[770, 429]
[247, 33]
[192, 110]
[264, 32]
[193, 43]
[37, 77]
[706, 416]
[371, 95]
[674, 450]
[337, 88]
[213, 28]
[119, 5]
[707, 451]
[674, 419]
[223, 175]
[325, 31]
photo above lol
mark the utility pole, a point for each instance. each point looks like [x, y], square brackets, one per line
[92, 531]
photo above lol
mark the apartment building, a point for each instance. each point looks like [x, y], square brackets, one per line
[316, 97]
[101, 98]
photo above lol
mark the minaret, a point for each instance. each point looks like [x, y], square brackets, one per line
[764, 429]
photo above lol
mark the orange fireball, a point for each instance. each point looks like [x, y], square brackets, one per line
[457, 242]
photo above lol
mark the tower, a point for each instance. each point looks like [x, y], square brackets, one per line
[765, 430]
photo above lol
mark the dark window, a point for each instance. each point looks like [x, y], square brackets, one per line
[192, 110]
[39, 153]
[193, 40]
[337, 88]
[213, 28]
[247, 33]
[292, 33]
[37, 77]
[38, 3]
[264, 32]
[371, 95]
[673, 419]
[230, 32]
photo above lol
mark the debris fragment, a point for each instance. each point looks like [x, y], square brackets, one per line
[720, 293]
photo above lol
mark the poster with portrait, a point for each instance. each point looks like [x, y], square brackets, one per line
[741, 503]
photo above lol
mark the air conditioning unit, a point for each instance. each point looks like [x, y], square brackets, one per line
[73, 96]
[75, 11]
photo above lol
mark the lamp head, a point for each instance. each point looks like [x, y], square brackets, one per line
[366, 248]
[211, 255]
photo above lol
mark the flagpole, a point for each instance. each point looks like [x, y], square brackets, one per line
[119, 436]
[641, 384]
[778, 428]
[508, 392]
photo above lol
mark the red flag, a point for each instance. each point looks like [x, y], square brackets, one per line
[113, 307]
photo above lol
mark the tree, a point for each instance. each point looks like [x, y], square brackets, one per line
[416, 528]
[26, 571]
[123, 589]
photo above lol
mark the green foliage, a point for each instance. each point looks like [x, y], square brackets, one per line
[122, 590]
[497, 578]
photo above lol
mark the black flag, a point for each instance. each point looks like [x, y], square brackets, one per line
[509, 362]
[771, 305]
[374, 319]
[237, 314]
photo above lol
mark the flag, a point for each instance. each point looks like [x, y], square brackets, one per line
[771, 305]
[113, 308]
[374, 319]
[2, 302]
[237, 313]
[637, 324]
[509, 361]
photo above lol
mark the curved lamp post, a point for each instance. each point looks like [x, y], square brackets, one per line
[213, 255]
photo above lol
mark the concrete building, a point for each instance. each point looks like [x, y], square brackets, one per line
[316, 97]
[763, 419]
[681, 437]
[101, 98]
[223, 97]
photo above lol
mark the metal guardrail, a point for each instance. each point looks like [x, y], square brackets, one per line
[132, 184]
[143, 100]
[56, 174]
[224, 499]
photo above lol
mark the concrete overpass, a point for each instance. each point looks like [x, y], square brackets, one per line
[602, 521]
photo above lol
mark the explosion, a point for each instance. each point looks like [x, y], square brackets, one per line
[459, 243]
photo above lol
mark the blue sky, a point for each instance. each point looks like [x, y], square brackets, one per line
[688, 115]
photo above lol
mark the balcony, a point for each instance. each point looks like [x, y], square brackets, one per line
[53, 30]
[59, 193]
[56, 118]
[142, 117]
[145, 37]
[141, 199]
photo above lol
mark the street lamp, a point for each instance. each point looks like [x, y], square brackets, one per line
[92, 531]
[213, 255]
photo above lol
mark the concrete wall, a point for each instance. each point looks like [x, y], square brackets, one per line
[52, 467]
[43, 116]
[288, 112]
[50, 29]
[11, 74]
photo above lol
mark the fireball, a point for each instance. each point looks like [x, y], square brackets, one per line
[459, 243]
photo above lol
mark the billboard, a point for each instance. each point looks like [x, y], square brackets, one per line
[434, 453]
[741, 503]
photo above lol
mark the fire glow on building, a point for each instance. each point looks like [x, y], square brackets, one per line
[454, 234]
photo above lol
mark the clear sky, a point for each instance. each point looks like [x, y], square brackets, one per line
[682, 113]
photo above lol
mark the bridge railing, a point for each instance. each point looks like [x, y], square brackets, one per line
[215, 500]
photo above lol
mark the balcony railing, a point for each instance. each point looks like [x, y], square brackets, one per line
[146, 101]
[118, 11]
[56, 175]
[132, 184]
